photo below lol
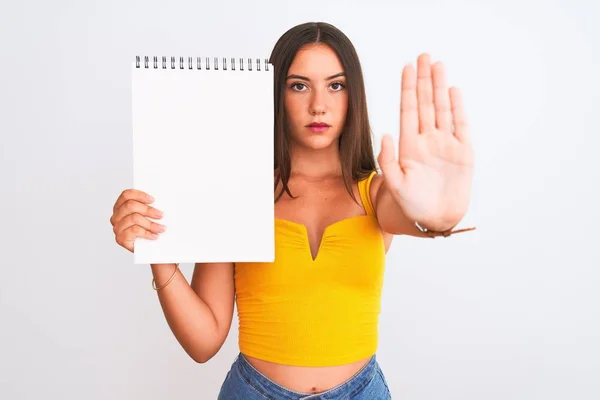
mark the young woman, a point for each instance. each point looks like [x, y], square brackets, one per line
[309, 321]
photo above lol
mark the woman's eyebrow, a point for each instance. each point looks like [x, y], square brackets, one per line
[294, 76]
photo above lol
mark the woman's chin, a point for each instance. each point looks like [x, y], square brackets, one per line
[318, 142]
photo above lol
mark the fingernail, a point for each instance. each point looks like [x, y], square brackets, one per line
[154, 236]
[159, 213]
[150, 198]
[162, 228]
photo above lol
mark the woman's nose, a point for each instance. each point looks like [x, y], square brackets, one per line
[317, 104]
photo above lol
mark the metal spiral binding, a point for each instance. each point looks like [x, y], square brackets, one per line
[191, 64]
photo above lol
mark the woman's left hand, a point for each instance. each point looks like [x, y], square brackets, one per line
[431, 179]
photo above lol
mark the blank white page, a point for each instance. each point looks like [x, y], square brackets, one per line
[203, 148]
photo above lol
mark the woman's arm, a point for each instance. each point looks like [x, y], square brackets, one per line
[199, 314]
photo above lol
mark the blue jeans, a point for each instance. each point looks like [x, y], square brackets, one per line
[244, 382]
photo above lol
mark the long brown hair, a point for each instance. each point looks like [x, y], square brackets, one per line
[356, 148]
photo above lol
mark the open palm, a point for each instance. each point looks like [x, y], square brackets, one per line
[432, 176]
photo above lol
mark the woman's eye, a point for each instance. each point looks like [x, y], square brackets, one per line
[339, 85]
[301, 87]
[295, 86]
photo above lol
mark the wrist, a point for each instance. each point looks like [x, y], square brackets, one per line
[446, 230]
[435, 226]
[161, 273]
[432, 233]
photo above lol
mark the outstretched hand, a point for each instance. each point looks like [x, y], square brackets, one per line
[431, 178]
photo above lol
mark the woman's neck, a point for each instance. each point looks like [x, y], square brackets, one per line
[315, 165]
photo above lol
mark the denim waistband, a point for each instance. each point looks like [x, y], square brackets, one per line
[265, 386]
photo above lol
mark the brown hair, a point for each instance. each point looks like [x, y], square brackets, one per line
[356, 148]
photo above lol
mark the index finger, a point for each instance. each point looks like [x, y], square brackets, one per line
[133, 194]
[409, 111]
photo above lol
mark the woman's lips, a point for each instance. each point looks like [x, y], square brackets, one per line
[318, 129]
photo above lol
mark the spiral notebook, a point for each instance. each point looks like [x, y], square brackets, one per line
[203, 148]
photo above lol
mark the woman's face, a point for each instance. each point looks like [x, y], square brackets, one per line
[316, 93]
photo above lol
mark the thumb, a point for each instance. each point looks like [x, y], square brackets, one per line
[392, 173]
[386, 155]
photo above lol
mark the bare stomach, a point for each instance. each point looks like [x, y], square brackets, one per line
[307, 379]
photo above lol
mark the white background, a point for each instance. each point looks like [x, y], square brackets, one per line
[509, 311]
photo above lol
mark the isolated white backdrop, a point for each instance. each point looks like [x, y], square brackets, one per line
[509, 311]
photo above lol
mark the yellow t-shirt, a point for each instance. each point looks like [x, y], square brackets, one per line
[321, 312]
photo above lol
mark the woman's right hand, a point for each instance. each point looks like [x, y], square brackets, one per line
[130, 218]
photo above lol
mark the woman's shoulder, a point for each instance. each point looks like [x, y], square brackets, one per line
[374, 186]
